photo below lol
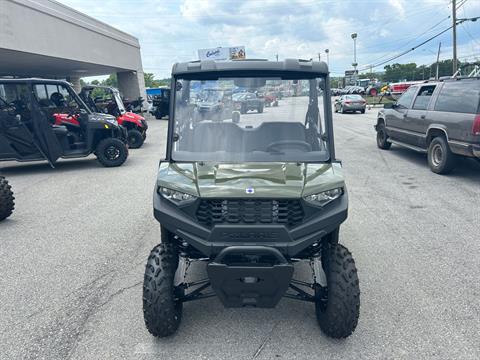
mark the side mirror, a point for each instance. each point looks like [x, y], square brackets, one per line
[321, 84]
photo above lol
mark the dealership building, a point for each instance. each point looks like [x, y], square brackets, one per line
[50, 40]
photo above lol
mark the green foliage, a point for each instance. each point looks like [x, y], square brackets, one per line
[400, 72]
[411, 72]
[151, 82]
[111, 81]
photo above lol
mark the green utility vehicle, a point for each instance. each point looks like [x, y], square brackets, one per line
[252, 197]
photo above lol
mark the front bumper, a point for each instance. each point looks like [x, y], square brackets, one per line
[290, 241]
[250, 283]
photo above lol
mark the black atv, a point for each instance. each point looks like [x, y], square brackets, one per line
[46, 120]
[7, 203]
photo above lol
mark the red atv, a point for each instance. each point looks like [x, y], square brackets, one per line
[109, 102]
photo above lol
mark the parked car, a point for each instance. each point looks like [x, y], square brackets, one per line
[440, 118]
[350, 103]
[248, 101]
[134, 105]
[28, 131]
[160, 102]
[7, 203]
[112, 104]
[335, 91]
[213, 104]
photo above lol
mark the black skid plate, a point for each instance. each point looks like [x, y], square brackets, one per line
[241, 283]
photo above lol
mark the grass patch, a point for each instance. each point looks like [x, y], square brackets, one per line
[378, 100]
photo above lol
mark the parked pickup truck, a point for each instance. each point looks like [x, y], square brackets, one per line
[440, 118]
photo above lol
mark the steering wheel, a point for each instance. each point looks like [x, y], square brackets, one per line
[297, 144]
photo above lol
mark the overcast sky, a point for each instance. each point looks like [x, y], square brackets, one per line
[171, 31]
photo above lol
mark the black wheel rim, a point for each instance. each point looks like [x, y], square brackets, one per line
[112, 152]
[133, 140]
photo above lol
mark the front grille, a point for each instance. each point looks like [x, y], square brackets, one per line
[251, 211]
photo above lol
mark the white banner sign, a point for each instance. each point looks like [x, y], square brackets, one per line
[222, 53]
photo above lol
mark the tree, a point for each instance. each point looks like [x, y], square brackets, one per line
[149, 80]
[111, 81]
[400, 72]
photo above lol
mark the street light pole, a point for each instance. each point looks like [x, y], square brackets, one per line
[354, 64]
[327, 51]
[454, 28]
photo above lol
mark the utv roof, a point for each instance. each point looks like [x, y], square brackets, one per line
[36, 80]
[457, 78]
[91, 87]
[287, 65]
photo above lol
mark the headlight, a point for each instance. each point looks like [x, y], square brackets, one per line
[325, 197]
[174, 195]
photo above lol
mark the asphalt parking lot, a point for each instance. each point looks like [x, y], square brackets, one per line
[72, 259]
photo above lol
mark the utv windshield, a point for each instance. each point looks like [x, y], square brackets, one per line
[242, 127]
[119, 102]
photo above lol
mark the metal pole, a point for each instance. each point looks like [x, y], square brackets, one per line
[327, 51]
[319, 57]
[438, 59]
[354, 37]
[276, 55]
[454, 23]
[355, 53]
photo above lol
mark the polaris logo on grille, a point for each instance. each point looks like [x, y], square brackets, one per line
[250, 190]
[264, 235]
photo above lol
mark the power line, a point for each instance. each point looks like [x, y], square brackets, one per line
[415, 38]
[459, 21]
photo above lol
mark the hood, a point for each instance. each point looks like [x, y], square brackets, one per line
[129, 116]
[103, 118]
[207, 103]
[263, 180]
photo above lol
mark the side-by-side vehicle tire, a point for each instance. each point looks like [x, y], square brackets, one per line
[111, 152]
[7, 200]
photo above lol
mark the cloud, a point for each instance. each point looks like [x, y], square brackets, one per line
[171, 31]
[399, 6]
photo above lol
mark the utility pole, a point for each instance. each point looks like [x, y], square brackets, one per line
[276, 55]
[319, 57]
[327, 51]
[454, 28]
[438, 59]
